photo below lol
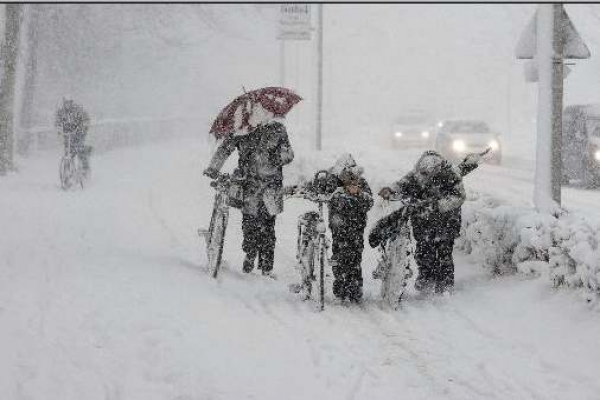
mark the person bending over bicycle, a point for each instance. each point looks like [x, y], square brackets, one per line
[73, 123]
[262, 154]
[436, 190]
[350, 201]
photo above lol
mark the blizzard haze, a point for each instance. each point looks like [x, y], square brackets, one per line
[380, 60]
[105, 288]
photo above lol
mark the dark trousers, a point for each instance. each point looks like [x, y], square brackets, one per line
[259, 237]
[347, 250]
[76, 143]
[436, 266]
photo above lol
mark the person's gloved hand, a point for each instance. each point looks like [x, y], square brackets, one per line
[211, 173]
[385, 193]
[290, 190]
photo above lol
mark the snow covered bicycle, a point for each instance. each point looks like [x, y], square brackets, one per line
[313, 245]
[214, 236]
[72, 170]
[392, 236]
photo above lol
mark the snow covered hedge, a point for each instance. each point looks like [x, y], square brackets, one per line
[565, 249]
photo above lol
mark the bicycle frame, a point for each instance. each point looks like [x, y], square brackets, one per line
[320, 244]
[394, 264]
[214, 236]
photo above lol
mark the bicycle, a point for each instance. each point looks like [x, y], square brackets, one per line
[393, 238]
[313, 245]
[214, 236]
[71, 168]
[392, 235]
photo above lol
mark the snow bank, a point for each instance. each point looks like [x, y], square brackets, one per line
[565, 249]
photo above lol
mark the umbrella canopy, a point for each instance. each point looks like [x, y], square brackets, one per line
[249, 110]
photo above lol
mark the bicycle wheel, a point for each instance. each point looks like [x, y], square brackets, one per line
[398, 269]
[307, 266]
[321, 253]
[217, 240]
[79, 172]
[66, 172]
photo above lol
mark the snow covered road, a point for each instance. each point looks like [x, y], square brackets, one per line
[103, 295]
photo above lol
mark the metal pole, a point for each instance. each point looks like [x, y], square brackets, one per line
[282, 61]
[319, 139]
[557, 105]
[29, 41]
[543, 193]
[508, 105]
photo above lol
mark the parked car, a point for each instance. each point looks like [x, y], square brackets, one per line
[581, 144]
[456, 138]
[412, 129]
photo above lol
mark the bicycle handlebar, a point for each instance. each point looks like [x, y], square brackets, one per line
[225, 180]
[310, 196]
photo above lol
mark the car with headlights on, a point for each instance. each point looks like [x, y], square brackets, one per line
[457, 138]
[581, 144]
[412, 129]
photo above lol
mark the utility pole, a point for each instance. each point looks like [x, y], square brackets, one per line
[30, 25]
[8, 53]
[546, 175]
[557, 100]
[319, 138]
[282, 62]
[549, 38]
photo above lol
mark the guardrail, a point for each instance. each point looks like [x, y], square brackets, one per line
[105, 135]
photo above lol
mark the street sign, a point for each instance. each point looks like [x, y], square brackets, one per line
[574, 47]
[294, 22]
[548, 39]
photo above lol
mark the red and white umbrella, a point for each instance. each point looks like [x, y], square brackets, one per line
[245, 112]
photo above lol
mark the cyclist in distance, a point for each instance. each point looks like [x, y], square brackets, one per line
[72, 122]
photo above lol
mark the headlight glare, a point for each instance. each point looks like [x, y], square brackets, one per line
[398, 134]
[459, 145]
[425, 134]
[597, 155]
[494, 145]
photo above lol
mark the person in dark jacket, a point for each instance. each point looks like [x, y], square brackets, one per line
[73, 123]
[262, 154]
[350, 201]
[436, 191]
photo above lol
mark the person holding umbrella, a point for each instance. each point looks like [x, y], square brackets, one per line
[252, 125]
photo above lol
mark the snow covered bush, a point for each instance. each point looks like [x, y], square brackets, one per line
[565, 249]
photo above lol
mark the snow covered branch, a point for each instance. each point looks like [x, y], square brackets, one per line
[563, 249]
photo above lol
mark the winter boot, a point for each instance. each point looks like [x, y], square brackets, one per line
[339, 287]
[355, 293]
[249, 263]
[265, 260]
[269, 274]
[426, 286]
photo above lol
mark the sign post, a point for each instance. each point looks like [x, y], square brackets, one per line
[295, 24]
[549, 38]
[319, 138]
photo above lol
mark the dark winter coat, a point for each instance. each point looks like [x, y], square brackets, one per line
[262, 154]
[73, 123]
[348, 212]
[444, 195]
